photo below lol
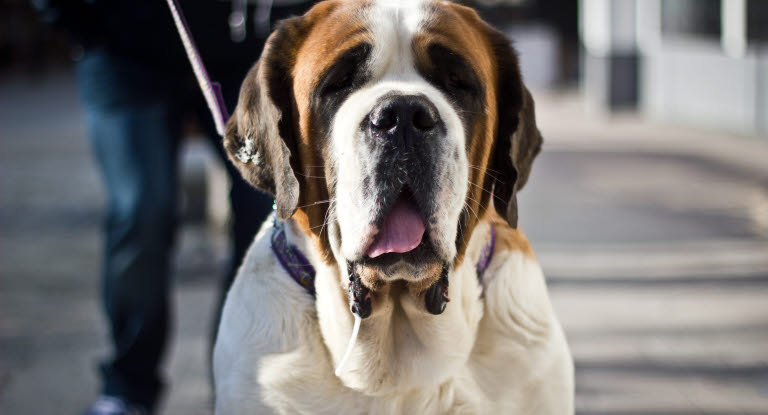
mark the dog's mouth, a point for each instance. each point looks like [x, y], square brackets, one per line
[401, 231]
[400, 248]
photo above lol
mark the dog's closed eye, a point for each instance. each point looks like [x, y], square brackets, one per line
[346, 73]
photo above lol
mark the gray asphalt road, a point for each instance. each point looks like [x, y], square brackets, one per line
[654, 240]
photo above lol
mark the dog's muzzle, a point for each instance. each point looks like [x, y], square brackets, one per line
[403, 135]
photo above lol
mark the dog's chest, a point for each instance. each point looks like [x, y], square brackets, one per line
[496, 378]
[273, 355]
[303, 382]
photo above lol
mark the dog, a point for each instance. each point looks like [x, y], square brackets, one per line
[394, 136]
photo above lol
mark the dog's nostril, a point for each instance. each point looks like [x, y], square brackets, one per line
[423, 120]
[384, 120]
[403, 120]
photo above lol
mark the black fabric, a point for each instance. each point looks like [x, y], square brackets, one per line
[133, 113]
[144, 30]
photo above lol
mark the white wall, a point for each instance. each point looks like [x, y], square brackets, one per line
[696, 83]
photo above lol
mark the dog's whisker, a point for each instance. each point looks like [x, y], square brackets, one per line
[488, 172]
[327, 217]
[314, 203]
[466, 205]
[486, 191]
[494, 177]
[474, 166]
[310, 176]
[473, 199]
[478, 204]
[473, 212]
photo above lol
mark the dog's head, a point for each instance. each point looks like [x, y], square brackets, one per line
[386, 129]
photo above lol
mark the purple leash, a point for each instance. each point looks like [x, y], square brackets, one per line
[211, 90]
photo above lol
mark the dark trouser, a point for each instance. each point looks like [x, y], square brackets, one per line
[134, 112]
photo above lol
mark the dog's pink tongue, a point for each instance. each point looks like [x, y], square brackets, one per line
[401, 231]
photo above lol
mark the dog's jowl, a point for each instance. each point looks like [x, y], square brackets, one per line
[394, 136]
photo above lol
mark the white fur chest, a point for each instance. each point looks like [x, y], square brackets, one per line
[273, 356]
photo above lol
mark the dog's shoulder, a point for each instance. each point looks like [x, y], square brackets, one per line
[265, 312]
[514, 282]
[509, 239]
[519, 327]
[264, 299]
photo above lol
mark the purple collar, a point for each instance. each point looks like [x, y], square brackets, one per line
[292, 260]
[485, 257]
[299, 268]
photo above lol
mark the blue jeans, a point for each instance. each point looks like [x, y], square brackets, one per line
[133, 111]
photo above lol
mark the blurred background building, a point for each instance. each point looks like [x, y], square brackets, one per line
[648, 208]
[695, 62]
[676, 61]
[698, 62]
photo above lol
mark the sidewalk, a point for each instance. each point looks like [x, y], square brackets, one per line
[52, 332]
[654, 240]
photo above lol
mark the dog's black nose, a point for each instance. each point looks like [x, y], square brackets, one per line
[404, 119]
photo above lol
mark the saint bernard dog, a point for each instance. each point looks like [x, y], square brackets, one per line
[394, 136]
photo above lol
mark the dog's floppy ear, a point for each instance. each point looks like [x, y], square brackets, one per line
[518, 140]
[260, 137]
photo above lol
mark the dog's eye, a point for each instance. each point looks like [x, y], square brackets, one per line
[339, 83]
[345, 74]
[456, 82]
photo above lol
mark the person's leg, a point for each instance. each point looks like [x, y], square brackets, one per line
[134, 135]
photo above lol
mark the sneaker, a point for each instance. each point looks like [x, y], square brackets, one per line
[110, 405]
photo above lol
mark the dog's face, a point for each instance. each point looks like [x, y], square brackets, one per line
[385, 128]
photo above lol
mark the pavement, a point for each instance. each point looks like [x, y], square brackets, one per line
[654, 240]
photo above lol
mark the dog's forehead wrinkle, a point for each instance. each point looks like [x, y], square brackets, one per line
[393, 25]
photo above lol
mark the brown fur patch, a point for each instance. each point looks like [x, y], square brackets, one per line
[507, 238]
